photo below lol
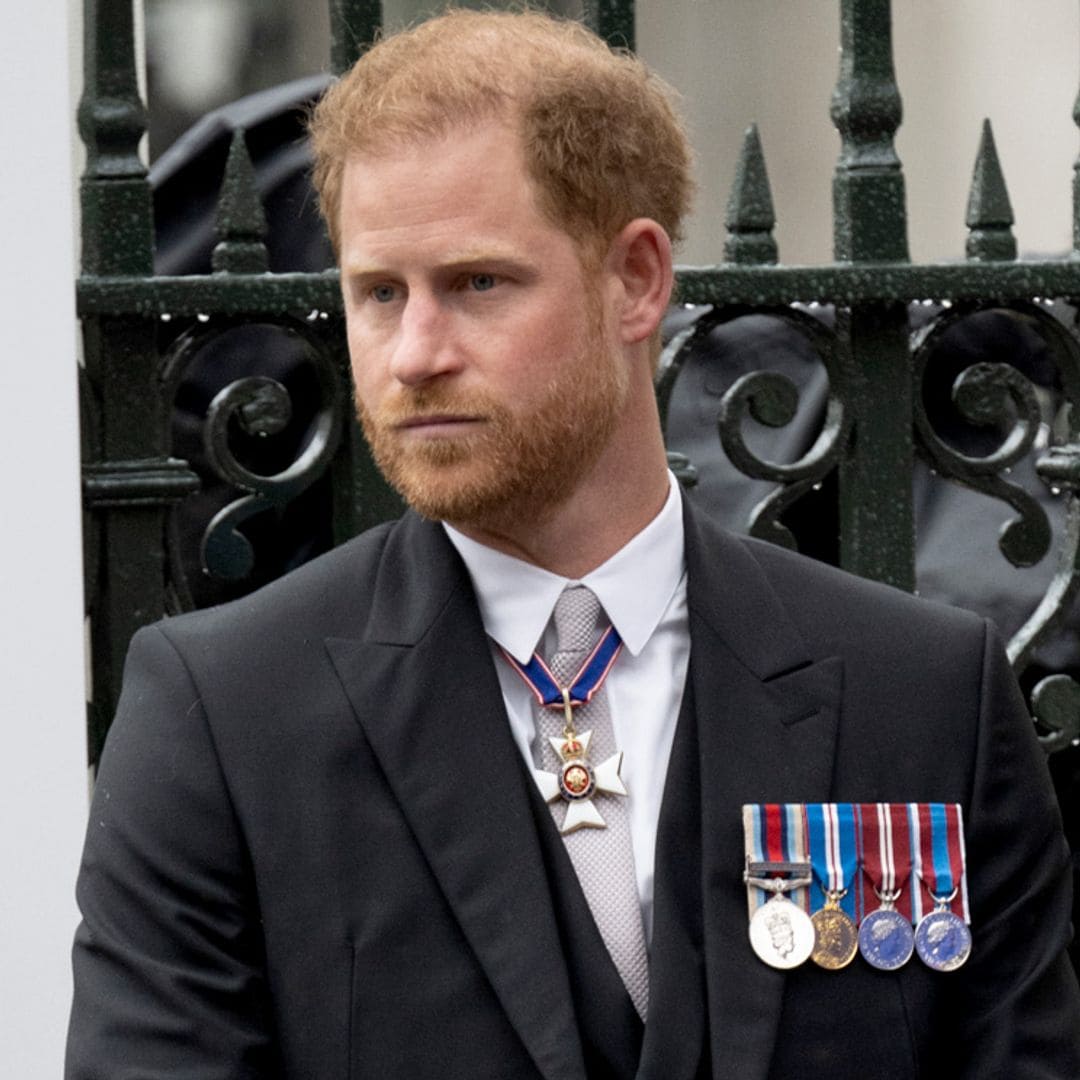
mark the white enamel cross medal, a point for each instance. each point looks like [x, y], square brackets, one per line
[578, 780]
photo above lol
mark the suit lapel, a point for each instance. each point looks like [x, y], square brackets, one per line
[766, 722]
[424, 690]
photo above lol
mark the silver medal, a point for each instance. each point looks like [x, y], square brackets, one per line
[886, 939]
[942, 940]
[781, 933]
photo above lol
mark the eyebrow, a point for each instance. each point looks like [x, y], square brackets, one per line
[453, 260]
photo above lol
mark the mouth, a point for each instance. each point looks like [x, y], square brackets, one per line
[436, 425]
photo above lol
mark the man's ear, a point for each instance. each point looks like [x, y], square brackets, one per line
[640, 258]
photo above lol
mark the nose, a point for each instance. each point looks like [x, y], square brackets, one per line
[425, 346]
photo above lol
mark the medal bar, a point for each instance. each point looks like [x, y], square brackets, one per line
[829, 881]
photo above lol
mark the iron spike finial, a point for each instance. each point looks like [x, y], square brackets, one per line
[989, 216]
[750, 216]
[241, 221]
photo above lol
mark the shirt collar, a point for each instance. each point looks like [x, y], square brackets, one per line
[634, 586]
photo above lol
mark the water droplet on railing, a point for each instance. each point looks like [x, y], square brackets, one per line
[818, 486]
[313, 314]
[203, 317]
[166, 317]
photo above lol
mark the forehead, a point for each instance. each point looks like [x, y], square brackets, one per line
[463, 183]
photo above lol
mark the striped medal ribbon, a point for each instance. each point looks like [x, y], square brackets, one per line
[886, 937]
[834, 855]
[777, 874]
[943, 933]
[583, 686]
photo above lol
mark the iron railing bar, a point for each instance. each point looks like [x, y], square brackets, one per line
[218, 294]
[837, 283]
[867, 282]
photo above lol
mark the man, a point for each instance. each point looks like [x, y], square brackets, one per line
[321, 844]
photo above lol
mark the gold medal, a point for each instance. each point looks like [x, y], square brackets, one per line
[836, 938]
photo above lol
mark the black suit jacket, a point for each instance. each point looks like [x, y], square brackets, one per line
[314, 852]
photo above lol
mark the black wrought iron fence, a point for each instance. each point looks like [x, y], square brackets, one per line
[217, 416]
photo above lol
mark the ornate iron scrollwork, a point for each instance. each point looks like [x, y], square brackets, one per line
[265, 438]
[987, 395]
[999, 398]
[771, 399]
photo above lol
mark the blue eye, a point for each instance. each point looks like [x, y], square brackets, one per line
[482, 282]
[383, 294]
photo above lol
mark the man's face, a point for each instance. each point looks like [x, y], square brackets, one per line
[486, 377]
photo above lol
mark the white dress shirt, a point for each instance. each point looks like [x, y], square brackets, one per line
[642, 589]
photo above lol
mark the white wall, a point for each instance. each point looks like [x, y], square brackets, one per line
[42, 747]
[776, 62]
[1015, 61]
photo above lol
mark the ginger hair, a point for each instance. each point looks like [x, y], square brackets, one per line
[601, 137]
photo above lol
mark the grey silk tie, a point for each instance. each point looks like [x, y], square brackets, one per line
[602, 858]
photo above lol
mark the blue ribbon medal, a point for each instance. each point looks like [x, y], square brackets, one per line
[834, 856]
[577, 780]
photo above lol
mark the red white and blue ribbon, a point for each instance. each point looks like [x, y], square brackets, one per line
[776, 833]
[938, 858]
[834, 854]
[586, 682]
